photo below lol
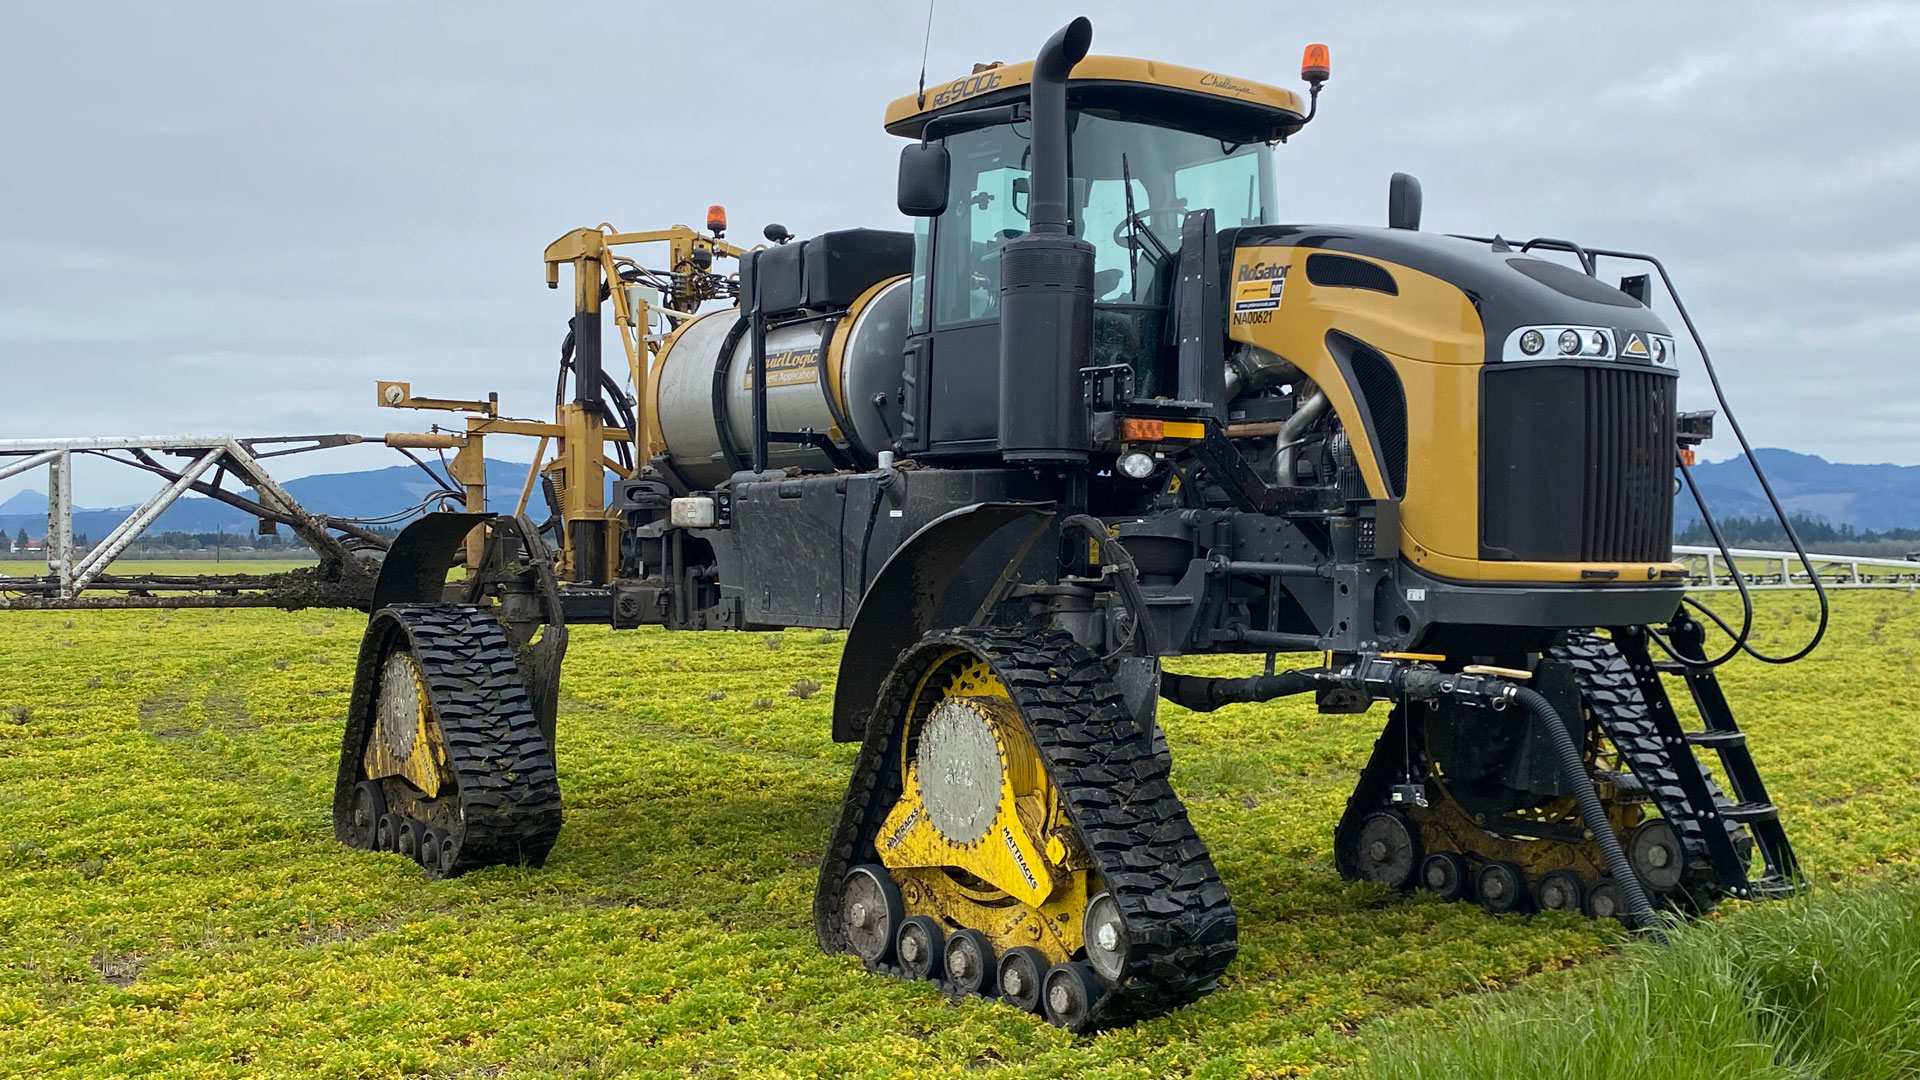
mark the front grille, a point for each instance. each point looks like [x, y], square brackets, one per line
[1576, 463]
[1629, 493]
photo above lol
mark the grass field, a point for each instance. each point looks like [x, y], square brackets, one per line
[172, 901]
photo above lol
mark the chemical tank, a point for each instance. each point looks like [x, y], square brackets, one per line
[836, 373]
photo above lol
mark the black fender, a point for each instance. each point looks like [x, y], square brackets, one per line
[898, 608]
[415, 570]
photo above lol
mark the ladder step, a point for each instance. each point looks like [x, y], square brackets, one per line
[1717, 740]
[1772, 887]
[1750, 811]
[1669, 667]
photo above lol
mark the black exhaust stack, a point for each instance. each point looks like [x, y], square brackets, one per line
[1046, 284]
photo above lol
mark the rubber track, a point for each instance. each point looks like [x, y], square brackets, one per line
[503, 767]
[1181, 929]
[1612, 695]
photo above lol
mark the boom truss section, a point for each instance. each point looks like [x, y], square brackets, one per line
[201, 464]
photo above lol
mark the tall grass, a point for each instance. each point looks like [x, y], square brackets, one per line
[1825, 986]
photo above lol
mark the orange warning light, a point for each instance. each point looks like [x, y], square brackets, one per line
[716, 219]
[1687, 456]
[1316, 64]
[1138, 429]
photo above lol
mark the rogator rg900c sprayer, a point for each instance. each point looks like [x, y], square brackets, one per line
[1101, 408]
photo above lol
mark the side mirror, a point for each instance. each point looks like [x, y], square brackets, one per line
[923, 179]
[1022, 195]
[1403, 203]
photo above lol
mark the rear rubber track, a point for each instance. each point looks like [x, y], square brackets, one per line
[505, 785]
[1181, 928]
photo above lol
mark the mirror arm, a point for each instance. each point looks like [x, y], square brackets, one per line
[972, 120]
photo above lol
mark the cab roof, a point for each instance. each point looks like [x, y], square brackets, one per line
[1208, 102]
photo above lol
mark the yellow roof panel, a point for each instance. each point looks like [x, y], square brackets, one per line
[1261, 106]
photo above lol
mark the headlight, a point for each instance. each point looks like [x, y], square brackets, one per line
[1596, 343]
[1532, 342]
[1661, 354]
[1569, 343]
[1137, 463]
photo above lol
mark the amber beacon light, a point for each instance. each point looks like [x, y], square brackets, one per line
[1316, 64]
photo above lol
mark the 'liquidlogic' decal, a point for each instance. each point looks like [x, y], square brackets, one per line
[788, 367]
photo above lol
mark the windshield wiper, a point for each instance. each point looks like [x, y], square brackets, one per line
[1135, 227]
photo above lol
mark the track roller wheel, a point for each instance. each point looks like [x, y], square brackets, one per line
[387, 834]
[1560, 890]
[1071, 990]
[969, 962]
[870, 912]
[1656, 856]
[1445, 875]
[408, 842]
[1389, 849]
[369, 806]
[1501, 887]
[431, 842]
[1106, 938]
[442, 732]
[920, 945]
[1604, 900]
[1022, 970]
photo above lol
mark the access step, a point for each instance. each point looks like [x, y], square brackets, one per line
[1717, 740]
[1747, 812]
[1773, 887]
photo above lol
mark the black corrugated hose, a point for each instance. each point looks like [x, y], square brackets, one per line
[1573, 767]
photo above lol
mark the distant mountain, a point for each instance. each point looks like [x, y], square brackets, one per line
[370, 494]
[1877, 497]
[25, 502]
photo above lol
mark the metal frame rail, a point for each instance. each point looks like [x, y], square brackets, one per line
[1708, 571]
[341, 579]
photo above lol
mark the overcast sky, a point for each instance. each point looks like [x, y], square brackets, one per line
[234, 217]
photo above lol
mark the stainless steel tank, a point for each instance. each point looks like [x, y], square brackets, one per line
[836, 374]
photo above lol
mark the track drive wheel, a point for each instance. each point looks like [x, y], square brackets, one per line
[1010, 796]
[441, 733]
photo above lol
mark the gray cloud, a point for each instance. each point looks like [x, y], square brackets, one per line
[235, 216]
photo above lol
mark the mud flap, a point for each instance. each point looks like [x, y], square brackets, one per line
[898, 608]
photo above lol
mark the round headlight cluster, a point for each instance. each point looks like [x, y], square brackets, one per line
[1560, 342]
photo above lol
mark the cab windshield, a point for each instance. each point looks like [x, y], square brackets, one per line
[1133, 185]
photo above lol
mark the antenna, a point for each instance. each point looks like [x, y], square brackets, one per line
[921, 101]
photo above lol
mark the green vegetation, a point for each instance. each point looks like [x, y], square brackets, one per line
[172, 901]
[1827, 986]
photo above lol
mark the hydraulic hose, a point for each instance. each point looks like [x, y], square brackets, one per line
[1205, 695]
[1573, 768]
